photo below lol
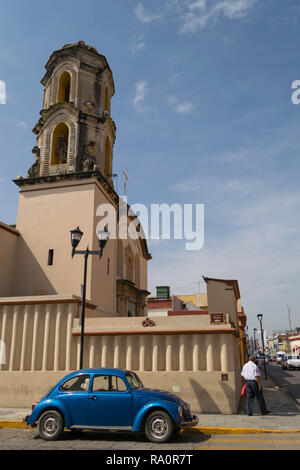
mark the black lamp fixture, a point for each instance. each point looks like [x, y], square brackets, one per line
[76, 236]
[260, 317]
[103, 236]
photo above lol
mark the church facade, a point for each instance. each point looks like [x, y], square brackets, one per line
[69, 180]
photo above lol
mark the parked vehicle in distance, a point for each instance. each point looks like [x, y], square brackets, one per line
[109, 399]
[260, 359]
[279, 357]
[284, 360]
[293, 363]
[273, 358]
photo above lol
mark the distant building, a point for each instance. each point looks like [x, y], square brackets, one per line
[295, 344]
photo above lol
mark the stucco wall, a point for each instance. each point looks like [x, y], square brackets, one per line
[205, 392]
[222, 299]
[8, 243]
[185, 355]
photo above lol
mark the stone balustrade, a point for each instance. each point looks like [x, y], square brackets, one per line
[45, 335]
[173, 344]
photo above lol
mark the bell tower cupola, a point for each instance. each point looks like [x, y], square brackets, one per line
[75, 134]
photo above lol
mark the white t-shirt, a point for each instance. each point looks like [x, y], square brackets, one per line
[250, 371]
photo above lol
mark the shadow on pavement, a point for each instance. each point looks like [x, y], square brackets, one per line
[109, 436]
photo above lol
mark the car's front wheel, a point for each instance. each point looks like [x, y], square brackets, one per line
[159, 427]
[50, 425]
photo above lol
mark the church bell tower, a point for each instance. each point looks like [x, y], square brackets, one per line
[75, 133]
[69, 179]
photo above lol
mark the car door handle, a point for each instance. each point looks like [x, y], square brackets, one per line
[93, 397]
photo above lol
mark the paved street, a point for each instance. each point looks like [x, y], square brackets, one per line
[287, 379]
[27, 439]
[276, 431]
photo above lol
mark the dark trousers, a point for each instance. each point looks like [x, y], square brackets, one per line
[252, 392]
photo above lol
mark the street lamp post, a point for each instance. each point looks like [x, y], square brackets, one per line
[254, 340]
[76, 236]
[260, 317]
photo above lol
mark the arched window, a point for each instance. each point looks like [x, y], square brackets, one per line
[137, 270]
[107, 161]
[64, 87]
[60, 140]
[106, 100]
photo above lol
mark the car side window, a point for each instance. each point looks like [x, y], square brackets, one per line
[100, 383]
[120, 385]
[108, 383]
[80, 383]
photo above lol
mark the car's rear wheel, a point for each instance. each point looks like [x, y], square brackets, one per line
[159, 426]
[50, 425]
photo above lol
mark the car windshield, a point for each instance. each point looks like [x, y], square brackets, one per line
[134, 381]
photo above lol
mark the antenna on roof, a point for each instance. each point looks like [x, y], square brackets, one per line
[289, 315]
[199, 284]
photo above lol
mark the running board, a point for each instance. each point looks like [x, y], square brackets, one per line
[109, 428]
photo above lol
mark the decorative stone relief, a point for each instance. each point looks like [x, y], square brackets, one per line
[34, 170]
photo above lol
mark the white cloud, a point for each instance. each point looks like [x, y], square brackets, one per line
[196, 14]
[145, 17]
[184, 107]
[199, 14]
[2, 92]
[197, 5]
[138, 44]
[141, 91]
[22, 124]
[166, 7]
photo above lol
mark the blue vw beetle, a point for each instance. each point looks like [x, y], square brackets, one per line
[109, 399]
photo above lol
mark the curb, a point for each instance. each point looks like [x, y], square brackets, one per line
[13, 424]
[219, 430]
[195, 430]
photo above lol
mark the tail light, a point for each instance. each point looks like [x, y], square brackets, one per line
[33, 405]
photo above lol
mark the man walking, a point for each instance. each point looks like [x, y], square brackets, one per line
[251, 376]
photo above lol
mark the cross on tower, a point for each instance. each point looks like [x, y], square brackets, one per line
[125, 181]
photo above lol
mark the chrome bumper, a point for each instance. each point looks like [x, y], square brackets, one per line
[191, 423]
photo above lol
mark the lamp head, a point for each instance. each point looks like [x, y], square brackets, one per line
[76, 236]
[260, 316]
[103, 237]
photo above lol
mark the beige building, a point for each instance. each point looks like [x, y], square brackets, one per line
[195, 356]
[295, 344]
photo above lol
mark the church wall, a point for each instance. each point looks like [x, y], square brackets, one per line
[103, 271]
[8, 246]
[186, 356]
[205, 392]
[45, 217]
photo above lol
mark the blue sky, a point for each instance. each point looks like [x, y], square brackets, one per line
[204, 115]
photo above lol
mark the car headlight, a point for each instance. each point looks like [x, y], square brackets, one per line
[180, 411]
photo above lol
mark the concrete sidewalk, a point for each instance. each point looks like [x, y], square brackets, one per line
[284, 416]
